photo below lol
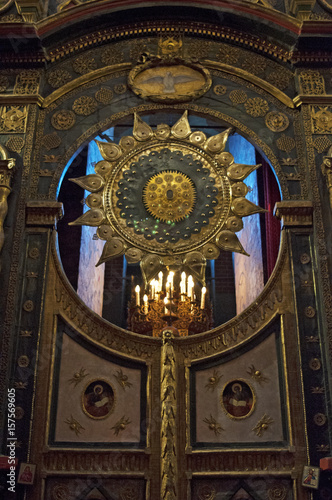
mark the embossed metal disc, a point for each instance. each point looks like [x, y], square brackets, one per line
[169, 196]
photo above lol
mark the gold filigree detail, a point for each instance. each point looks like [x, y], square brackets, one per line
[199, 49]
[315, 364]
[27, 82]
[238, 96]
[85, 105]
[120, 89]
[122, 379]
[228, 55]
[256, 106]
[60, 492]
[213, 381]
[206, 492]
[63, 119]
[58, 77]
[104, 95]
[213, 425]
[254, 64]
[11, 18]
[220, 89]
[20, 385]
[276, 121]
[13, 119]
[280, 78]
[317, 390]
[15, 144]
[121, 425]
[23, 361]
[51, 141]
[321, 120]
[170, 46]
[128, 493]
[111, 55]
[52, 158]
[84, 64]
[257, 375]
[320, 419]
[285, 143]
[4, 83]
[277, 492]
[74, 425]
[262, 426]
[312, 82]
[78, 377]
[322, 448]
[169, 196]
[321, 144]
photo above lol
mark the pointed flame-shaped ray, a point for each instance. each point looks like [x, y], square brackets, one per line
[181, 129]
[238, 171]
[92, 182]
[216, 144]
[244, 207]
[227, 240]
[109, 150]
[141, 131]
[151, 264]
[196, 262]
[112, 248]
[92, 218]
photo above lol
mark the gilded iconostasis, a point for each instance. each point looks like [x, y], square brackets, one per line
[165, 228]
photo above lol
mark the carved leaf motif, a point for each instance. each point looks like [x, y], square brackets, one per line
[92, 182]
[109, 150]
[244, 207]
[227, 240]
[238, 171]
[92, 218]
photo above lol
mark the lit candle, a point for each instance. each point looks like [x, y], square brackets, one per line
[165, 302]
[168, 289]
[153, 289]
[190, 288]
[203, 297]
[171, 278]
[137, 293]
[160, 276]
[145, 302]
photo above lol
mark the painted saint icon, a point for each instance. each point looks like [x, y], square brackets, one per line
[237, 399]
[98, 399]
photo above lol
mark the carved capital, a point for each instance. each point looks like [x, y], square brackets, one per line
[43, 213]
[30, 10]
[294, 213]
[301, 9]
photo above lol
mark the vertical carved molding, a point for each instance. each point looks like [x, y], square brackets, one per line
[169, 469]
[6, 169]
[327, 171]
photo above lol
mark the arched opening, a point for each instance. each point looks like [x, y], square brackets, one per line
[233, 280]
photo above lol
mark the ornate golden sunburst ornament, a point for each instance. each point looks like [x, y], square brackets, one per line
[167, 197]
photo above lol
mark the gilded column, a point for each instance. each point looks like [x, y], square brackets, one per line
[169, 469]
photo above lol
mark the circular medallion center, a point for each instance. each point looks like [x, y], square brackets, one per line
[169, 196]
